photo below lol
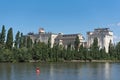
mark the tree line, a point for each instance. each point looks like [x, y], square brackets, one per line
[22, 49]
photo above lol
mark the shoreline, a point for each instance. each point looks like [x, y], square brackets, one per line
[66, 61]
[93, 61]
[32, 61]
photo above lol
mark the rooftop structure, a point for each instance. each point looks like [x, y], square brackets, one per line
[41, 30]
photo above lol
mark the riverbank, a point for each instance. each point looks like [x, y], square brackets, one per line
[32, 61]
[39, 61]
[93, 61]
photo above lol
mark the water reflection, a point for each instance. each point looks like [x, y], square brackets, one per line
[60, 71]
[51, 72]
[107, 71]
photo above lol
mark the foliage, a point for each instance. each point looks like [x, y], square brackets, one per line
[9, 41]
[2, 37]
[95, 49]
[77, 42]
[17, 40]
[29, 42]
[111, 50]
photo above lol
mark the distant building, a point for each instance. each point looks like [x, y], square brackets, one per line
[42, 36]
[104, 36]
[61, 39]
[66, 39]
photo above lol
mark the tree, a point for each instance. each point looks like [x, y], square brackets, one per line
[103, 54]
[95, 49]
[29, 42]
[44, 51]
[23, 41]
[9, 41]
[49, 48]
[55, 51]
[7, 55]
[2, 36]
[36, 52]
[81, 53]
[76, 43]
[49, 42]
[95, 44]
[17, 40]
[117, 50]
[111, 49]
[69, 55]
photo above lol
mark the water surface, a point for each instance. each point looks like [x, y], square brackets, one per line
[60, 71]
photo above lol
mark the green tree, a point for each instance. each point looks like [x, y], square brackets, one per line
[36, 52]
[9, 41]
[117, 51]
[49, 42]
[95, 44]
[111, 49]
[29, 42]
[81, 53]
[69, 54]
[44, 51]
[76, 43]
[103, 54]
[95, 49]
[17, 40]
[49, 48]
[21, 41]
[21, 55]
[2, 36]
[55, 51]
[6, 55]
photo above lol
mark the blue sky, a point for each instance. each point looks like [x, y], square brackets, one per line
[66, 16]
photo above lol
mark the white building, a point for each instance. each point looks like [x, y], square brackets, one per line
[66, 39]
[104, 36]
[61, 39]
[43, 37]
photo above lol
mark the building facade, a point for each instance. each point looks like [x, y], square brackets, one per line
[61, 39]
[42, 36]
[104, 36]
[66, 39]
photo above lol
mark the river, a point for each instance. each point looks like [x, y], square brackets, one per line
[60, 71]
